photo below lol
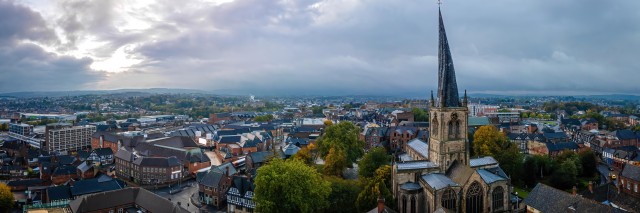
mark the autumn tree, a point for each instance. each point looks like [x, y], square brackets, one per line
[307, 155]
[344, 137]
[290, 186]
[6, 198]
[589, 163]
[328, 122]
[335, 162]
[376, 187]
[487, 141]
[373, 160]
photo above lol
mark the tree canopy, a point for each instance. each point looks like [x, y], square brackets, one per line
[6, 198]
[374, 188]
[344, 137]
[290, 186]
[487, 141]
[420, 115]
[373, 160]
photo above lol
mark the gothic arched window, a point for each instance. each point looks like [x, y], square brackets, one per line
[474, 200]
[413, 204]
[404, 204]
[454, 126]
[449, 200]
[498, 198]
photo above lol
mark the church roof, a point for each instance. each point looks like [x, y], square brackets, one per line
[489, 177]
[410, 186]
[420, 147]
[447, 86]
[483, 161]
[438, 181]
[459, 173]
[412, 165]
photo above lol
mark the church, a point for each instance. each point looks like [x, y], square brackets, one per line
[438, 175]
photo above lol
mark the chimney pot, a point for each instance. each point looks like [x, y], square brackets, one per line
[380, 204]
[575, 190]
[591, 187]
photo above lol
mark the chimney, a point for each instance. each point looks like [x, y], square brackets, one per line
[227, 173]
[380, 204]
[591, 187]
[574, 191]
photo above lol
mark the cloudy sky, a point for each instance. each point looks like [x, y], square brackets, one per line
[324, 47]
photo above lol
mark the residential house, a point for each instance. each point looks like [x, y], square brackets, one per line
[86, 170]
[545, 198]
[630, 179]
[240, 194]
[147, 170]
[213, 185]
[101, 156]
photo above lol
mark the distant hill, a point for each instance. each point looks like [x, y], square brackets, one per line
[613, 97]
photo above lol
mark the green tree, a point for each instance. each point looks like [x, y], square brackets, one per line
[420, 115]
[343, 194]
[290, 186]
[307, 155]
[589, 163]
[335, 162]
[531, 172]
[6, 198]
[376, 187]
[344, 137]
[373, 160]
[524, 115]
[263, 118]
[565, 176]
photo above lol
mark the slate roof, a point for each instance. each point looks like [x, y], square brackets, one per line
[410, 186]
[631, 171]
[83, 167]
[25, 182]
[570, 121]
[290, 150]
[259, 157]
[412, 165]
[548, 199]
[83, 154]
[553, 147]
[66, 159]
[555, 135]
[64, 170]
[419, 147]
[459, 173]
[59, 193]
[438, 181]
[157, 161]
[478, 121]
[141, 197]
[489, 177]
[212, 177]
[231, 139]
[624, 134]
[176, 142]
[447, 86]
[483, 161]
[103, 151]
[93, 185]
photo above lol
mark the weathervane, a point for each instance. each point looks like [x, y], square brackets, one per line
[439, 3]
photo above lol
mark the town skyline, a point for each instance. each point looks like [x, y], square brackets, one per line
[319, 47]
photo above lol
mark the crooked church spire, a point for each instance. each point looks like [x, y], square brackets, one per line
[447, 86]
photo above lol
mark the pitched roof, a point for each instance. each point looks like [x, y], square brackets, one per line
[624, 134]
[94, 185]
[459, 173]
[59, 193]
[141, 197]
[489, 177]
[552, 147]
[157, 161]
[215, 174]
[419, 147]
[413, 165]
[483, 161]
[103, 151]
[631, 171]
[259, 157]
[548, 199]
[230, 139]
[438, 181]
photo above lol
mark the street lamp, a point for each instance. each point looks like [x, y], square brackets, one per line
[517, 199]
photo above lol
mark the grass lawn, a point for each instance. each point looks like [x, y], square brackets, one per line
[523, 193]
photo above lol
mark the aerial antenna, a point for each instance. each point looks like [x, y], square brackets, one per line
[439, 3]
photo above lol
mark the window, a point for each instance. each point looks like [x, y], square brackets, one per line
[628, 185]
[449, 200]
[498, 198]
[635, 187]
[120, 210]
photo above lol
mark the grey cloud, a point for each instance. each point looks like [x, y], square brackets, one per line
[26, 66]
[373, 46]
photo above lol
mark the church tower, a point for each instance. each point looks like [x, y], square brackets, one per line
[449, 117]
